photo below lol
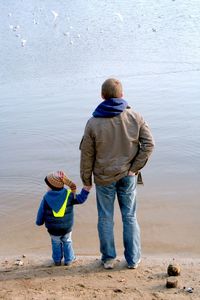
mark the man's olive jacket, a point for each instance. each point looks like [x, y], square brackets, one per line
[113, 146]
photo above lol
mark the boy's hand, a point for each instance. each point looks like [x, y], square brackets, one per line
[87, 188]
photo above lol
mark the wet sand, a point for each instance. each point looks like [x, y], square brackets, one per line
[166, 228]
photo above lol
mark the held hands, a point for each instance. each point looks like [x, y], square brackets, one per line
[87, 188]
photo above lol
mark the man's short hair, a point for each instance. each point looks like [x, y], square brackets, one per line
[111, 88]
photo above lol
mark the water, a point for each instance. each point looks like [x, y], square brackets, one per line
[50, 87]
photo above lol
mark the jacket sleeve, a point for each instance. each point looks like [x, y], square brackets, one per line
[146, 145]
[40, 214]
[81, 198]
[87, 147]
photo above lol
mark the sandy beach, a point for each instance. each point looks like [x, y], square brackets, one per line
[37, 278]
[26, 270]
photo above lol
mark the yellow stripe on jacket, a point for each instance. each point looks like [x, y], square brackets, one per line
[61, 212]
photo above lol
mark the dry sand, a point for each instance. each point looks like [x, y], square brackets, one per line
[37, 278]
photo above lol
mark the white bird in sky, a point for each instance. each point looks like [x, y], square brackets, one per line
[23, 42]
[55, 15]
[35, 22]
[16, 28]
[66, 33]
[119, 16]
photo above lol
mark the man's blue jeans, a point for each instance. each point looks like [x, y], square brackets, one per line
[62, 245]
[125, 189]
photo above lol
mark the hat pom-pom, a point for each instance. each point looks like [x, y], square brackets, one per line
[67, 181]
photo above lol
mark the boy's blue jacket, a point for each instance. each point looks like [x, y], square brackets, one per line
[53, 200]
[110, 108]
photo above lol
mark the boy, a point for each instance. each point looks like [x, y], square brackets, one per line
[56, 211]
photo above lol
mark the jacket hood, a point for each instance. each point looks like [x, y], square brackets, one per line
[110, 108]
[55, 199]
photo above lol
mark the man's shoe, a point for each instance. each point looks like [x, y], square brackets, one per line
[57, 263]
[109, 264]
[134, 266]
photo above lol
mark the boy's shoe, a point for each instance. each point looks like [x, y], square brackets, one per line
[134, 266]
[109, 264]
[57, 263]
[68, 263]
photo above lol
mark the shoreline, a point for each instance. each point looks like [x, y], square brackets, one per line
[86, 278]
[39, 256]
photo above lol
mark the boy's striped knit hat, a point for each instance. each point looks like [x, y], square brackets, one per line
[56, 183]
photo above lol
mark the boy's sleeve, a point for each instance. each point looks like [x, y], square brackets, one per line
[81, 198]
[40, 214]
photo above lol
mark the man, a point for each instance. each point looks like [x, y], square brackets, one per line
[116, 145]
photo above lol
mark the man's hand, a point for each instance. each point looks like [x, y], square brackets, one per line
[131, 173]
